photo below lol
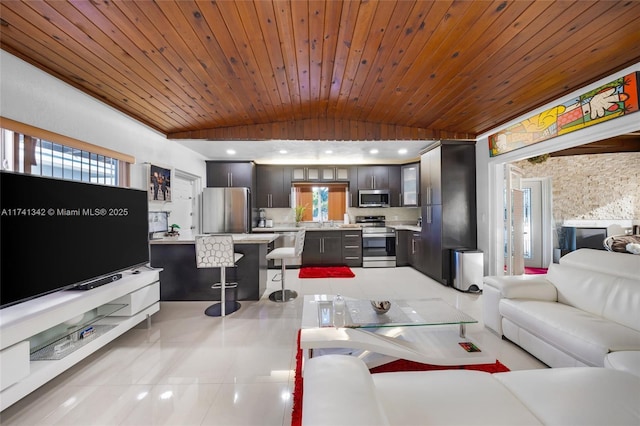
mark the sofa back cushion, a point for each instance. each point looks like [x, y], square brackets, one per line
[620, 264]
[597, 290]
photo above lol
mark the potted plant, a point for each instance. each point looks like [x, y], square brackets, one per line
[173, 231]
[300, 213]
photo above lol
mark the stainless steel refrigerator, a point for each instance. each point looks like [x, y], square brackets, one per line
[226, 210]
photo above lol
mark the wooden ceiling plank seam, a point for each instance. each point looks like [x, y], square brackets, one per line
[210, 60]
[450, 51]
[34, 58]
[552, 47]
[169, 61]
[416, 33]
[125, 34]
[583, 48]
[220, 73]
[444, 64]
[433, 38]
[29, 16]
[365, 75]
[300, 34]
[119, 54]
[268, 26]
[523, 41]
[397, 24]
[547, 52]
[92, 75]
[224, 58]
[528, 41]
[253, 52]
[348, 20]
[316, 46]
[333, 12]
[497, 37]
[156, 61]
[87, 32]
[545, 84]
[284, 21]
[357, 45]
[318, 129]
[587, 62]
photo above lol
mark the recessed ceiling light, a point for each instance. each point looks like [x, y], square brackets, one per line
[402, 151]
[328, 151]
[231, 151]
[374, 151]
[283, 151]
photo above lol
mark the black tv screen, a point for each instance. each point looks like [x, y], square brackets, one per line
[58, 234]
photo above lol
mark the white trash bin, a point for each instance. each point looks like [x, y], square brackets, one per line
[468, 270]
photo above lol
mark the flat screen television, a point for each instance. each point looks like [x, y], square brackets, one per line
[58, 234]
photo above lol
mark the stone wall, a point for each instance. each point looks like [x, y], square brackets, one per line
[591, 187]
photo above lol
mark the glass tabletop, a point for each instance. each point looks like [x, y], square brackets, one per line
[403, 313]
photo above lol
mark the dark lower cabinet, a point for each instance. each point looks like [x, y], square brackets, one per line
[416, 252]
[322, 248]
[402, 247]
[331, 248]
[181, 280]
[352, 248]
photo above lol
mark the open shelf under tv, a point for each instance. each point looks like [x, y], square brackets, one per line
[76, 336]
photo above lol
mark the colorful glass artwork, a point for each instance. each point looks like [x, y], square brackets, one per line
[612, 100]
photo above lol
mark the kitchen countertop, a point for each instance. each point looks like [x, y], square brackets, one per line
[413, 228]
[311, 228]
[336, 227]
[261, 238]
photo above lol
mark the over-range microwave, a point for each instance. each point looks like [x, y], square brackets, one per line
[373, 198]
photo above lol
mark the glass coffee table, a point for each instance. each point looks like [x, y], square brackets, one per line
[418, 330]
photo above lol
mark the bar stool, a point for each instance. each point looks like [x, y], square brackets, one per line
[283, 253]
[216, 251]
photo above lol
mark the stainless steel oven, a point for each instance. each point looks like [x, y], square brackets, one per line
[378, 243]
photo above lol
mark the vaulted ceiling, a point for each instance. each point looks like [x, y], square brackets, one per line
[324, 70]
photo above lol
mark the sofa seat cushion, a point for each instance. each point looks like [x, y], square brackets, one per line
[582, 335]
[628, 361]
[577, 395]
[448, 397]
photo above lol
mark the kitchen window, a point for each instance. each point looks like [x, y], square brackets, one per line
[325, 202]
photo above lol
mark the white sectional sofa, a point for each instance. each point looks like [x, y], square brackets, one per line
[339, 390]
[583, 309]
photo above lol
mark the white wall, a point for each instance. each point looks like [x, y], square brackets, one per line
[31, 96]
[489, 182]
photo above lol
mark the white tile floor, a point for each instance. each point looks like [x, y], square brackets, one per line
[190, 369]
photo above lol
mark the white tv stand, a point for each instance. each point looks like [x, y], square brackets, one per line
[42, 321]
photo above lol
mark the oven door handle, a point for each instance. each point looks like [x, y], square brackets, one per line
[372, 235]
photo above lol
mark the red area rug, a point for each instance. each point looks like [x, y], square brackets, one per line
[534, 271]
[399, 365]
[326, 272]
[404, 365]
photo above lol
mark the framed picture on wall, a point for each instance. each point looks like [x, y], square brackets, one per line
[159, 183]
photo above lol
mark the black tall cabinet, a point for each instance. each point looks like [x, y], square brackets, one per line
[448, 193]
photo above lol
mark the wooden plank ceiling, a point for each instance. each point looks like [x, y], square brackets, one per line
[324, 69]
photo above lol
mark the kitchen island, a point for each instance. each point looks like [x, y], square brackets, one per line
[181, 280]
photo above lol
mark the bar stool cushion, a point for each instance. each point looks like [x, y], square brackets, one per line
[282, 253]
[216, 251]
